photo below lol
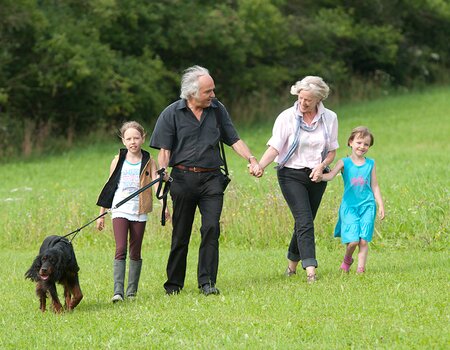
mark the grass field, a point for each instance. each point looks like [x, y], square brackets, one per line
[400, 303]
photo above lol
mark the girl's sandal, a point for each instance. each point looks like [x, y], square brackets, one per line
[345, 266]
[360, 270]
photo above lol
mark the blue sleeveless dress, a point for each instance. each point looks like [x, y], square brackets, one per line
[358, 208]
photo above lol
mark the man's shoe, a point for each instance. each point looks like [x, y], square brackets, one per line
[208, 289]
[173, 291]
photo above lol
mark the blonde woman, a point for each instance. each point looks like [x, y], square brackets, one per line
[303, 143]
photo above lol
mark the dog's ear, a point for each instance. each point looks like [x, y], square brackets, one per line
[33, 271]
[58, 266]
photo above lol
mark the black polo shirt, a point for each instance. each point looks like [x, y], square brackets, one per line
[192, 142]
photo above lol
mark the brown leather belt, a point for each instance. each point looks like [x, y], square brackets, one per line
[195, 169]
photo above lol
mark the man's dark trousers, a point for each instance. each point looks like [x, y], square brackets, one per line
[190, 190]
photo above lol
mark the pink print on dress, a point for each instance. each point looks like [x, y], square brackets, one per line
[358, 181]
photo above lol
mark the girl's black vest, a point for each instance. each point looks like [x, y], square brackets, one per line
[106, 197]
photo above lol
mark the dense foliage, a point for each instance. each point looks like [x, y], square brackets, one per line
[68, 66]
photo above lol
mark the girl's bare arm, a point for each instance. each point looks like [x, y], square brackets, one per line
[332, 174]
[377, 193]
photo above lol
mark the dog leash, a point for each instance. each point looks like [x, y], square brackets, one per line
[163, 196]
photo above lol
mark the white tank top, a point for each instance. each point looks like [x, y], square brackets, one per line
[129, 183]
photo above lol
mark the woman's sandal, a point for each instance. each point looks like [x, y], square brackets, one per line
[311, 278]
[289, 272]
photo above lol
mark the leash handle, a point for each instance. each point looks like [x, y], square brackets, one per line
[167, 183]
[163, 196]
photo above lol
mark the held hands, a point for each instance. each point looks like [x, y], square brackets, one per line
[255, 170]
[317, 174]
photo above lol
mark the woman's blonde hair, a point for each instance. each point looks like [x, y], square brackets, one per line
[134, 125]
[360, 131]
[314, 84]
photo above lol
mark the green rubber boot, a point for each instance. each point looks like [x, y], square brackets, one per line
[134, 274]
[119, 277]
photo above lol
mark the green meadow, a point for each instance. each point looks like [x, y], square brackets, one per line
[400, 303]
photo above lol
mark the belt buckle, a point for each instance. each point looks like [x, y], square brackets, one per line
[195, 170]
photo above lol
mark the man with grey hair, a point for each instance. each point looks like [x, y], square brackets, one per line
[187, 134]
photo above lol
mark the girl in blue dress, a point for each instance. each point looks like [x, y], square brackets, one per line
[361, 196]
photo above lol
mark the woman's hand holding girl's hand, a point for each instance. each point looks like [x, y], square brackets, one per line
[316, 174]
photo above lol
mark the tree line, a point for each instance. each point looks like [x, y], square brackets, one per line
[67, 66]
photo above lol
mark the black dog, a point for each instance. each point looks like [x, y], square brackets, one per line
[56, 263]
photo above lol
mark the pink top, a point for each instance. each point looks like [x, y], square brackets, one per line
[309, 151]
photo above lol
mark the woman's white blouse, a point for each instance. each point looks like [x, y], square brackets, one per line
[309, 151]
